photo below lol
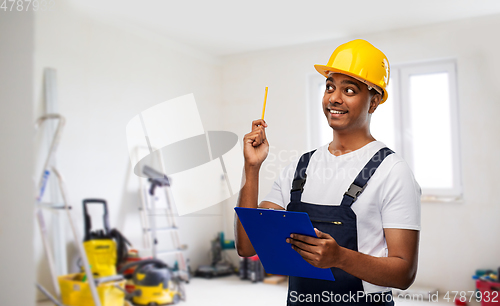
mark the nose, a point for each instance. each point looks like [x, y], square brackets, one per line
[335, 97]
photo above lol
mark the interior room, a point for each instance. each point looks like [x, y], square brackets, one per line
[93, 92]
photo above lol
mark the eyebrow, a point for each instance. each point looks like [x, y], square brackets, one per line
[344, 82]
[350, 82]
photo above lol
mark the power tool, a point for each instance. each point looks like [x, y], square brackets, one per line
[104, 248]
[155, 283]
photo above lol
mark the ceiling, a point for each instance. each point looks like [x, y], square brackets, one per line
[225, 27]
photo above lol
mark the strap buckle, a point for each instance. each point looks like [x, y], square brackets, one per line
[298, 185]
[354, 191]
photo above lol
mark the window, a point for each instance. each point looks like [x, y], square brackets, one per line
[419, 120]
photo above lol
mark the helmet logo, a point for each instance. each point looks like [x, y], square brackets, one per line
[385, 64]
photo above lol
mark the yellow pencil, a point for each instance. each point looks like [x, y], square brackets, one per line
[264, 107]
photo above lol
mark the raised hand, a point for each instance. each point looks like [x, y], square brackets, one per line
[255, 144]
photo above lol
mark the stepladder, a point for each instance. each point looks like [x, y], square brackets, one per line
[160, 227]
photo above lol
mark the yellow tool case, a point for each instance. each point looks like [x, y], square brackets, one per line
[75, 292]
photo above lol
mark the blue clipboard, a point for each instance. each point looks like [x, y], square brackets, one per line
[268, 229]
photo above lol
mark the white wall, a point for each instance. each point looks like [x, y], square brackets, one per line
[456, 238]
[16, 165]
[107, 73]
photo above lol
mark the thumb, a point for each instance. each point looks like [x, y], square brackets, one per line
[320, 234]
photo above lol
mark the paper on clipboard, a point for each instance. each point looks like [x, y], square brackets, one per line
[268, 229]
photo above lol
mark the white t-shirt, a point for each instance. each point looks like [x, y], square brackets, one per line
[390, 200]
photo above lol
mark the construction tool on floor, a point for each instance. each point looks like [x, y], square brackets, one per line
[220, 266]
[100, 248]
[251, 268]
[103, 252]
[155, 283]
[106, 249]
[149, 209]
[47, 170]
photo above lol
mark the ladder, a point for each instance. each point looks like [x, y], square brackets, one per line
[49, 168]
[156, 200]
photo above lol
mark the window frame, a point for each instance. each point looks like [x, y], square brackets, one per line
[403, 73]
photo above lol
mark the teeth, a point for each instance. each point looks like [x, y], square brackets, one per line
[336, 112]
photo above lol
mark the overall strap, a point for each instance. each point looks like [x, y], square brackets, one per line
[300, 176]
[359, 184]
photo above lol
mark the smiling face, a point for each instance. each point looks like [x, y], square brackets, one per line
[348, 104]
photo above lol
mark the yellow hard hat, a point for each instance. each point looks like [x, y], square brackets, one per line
[362, 61]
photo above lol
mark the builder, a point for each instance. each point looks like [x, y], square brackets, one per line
[367, 214]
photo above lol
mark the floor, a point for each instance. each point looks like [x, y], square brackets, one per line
[230, 290]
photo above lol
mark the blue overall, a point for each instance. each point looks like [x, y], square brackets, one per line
[340, 222]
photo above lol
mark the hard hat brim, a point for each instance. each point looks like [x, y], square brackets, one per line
[324, 70]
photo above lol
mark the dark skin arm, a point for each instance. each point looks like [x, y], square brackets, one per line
[397, 270]
[255, 150]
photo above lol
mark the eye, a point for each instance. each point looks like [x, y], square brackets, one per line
[329, 88]
[349, 91]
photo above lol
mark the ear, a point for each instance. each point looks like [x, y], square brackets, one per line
[374, 102]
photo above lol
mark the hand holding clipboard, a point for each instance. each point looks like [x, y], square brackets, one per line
[268, 230]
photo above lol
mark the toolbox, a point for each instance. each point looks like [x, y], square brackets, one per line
[75, 292]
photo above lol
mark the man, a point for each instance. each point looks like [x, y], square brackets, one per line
[360, 196]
